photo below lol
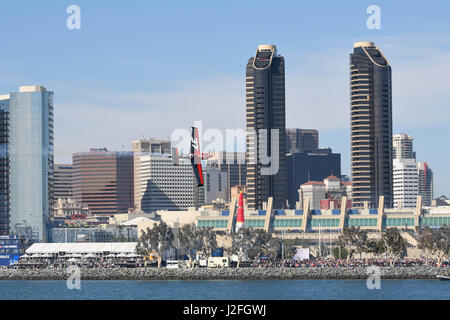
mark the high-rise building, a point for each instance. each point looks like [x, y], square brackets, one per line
[310, 166]
[165, 186]
[103, 180]
[265, 109]
[371, 125]
[405, 183]
[233, 165]
[26, 166]
[425, 183]
[402, 147]
[141, 148]
[4, 165]
[63, 184]
[302, 140]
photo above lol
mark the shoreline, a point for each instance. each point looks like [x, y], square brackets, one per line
[244, 274]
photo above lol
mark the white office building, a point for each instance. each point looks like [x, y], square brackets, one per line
[165, 186]
[406, 183]
[402, 147]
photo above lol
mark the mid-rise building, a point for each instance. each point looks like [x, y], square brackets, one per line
[315, 191]
[165, 186]
[405, 183]
[233, 165]
[266, 117]
[216, 185]
[371, 125]
[314, 166]
[302, 140]
[326, 194]
[103, 180]
[67, 207]
[402, 147]
[63, 183]
[140, 148]
[425, 187]
[26, 162]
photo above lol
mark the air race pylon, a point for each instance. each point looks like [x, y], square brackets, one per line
[240, 213]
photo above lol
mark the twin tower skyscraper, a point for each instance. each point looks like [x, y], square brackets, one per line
[371, 127]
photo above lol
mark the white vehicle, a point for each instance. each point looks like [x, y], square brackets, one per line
[203, 263]
[172, 264]
[218, 262]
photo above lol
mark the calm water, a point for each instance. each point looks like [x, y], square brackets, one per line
[226, 290]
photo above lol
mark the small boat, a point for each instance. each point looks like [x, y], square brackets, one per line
[443, 278]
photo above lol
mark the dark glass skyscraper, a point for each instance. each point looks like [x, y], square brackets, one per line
[371, 125]
[310, 166]
[302, 140]
[4, 165]
[265, 109]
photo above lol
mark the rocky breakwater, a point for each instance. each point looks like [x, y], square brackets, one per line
[225, 274]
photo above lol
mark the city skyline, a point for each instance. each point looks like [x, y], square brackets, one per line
[132, 100]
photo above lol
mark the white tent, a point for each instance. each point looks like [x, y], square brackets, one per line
[82, 248]
[134, 222]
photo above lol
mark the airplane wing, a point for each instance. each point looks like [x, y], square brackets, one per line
[196, 157]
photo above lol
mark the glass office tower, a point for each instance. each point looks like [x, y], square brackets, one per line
[30, 161]
[371, 125]
[265, 109]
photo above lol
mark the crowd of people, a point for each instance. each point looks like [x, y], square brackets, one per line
[91, 263]
[108, 263]
[362, 263]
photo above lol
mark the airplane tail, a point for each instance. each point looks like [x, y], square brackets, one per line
[196, 157]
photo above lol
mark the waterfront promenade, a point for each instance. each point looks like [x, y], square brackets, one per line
[263, 273]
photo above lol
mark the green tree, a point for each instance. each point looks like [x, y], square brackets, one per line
[242, 243]
[208, 241]
[340, 253]
[191, 240]
[435, 242]
[375, 247]
[266, 245]
[354, 239]
[290, 246]
[156, 240]
[394, 243]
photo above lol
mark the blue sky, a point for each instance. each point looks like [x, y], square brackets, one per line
[145, 68]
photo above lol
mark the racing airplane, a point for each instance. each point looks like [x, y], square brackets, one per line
[196, 157]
